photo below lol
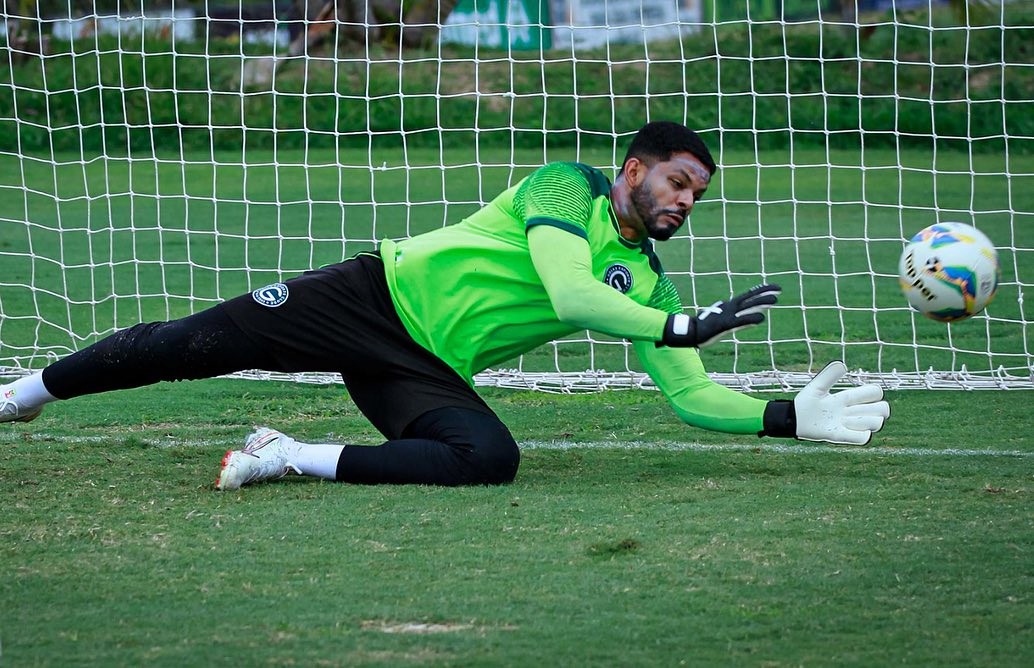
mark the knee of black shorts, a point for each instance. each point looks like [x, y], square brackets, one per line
[485, 450]
[496, 458]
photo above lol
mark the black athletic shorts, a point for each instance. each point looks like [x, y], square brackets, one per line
[340, 318]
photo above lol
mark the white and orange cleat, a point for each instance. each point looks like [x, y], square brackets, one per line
[264, 457]
[12, 411]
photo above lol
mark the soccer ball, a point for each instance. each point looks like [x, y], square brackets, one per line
[949, 271]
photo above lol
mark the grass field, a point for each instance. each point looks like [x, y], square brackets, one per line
[89, 245]
[146, 180]
[627, 539]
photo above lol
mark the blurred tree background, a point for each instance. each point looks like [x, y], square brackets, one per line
[338, 78]
[409, 22]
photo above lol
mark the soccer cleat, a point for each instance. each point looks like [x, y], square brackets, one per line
[11, 411]
[264, 457]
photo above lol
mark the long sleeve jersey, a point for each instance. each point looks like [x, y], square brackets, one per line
[542, 260]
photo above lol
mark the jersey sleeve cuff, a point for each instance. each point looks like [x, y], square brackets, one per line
[780, 420]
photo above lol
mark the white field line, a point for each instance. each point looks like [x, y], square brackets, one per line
[760, 447]
[779, 448]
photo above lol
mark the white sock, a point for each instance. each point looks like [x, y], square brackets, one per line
[28, 392]
[317, 459]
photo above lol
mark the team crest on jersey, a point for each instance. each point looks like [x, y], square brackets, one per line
[618, 277]
[272, 295]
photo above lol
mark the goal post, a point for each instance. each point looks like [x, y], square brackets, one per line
[157, 162]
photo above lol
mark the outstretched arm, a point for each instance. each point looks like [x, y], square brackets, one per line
[556, 204]
[563, 262]
[849, 417]
[695, 398]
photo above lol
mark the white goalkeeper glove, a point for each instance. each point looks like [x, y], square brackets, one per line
[719, 319]
[849, 417]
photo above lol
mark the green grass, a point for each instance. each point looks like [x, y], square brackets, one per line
[118, 241]
[142, 181]
[626, 539]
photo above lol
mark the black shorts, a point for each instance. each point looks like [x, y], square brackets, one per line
[340, 318]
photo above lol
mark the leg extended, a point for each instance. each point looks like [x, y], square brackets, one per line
[203, 345]
[446, 446]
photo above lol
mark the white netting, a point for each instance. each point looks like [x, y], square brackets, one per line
[153, 164]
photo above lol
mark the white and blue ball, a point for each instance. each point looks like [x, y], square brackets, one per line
[949, 271]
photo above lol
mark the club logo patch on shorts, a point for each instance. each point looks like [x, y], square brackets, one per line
[618, 277]
[272, 295]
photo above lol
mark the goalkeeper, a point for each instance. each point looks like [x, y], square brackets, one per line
[409, 326]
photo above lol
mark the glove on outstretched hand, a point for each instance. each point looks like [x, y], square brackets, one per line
[849, 417]
[719, 319]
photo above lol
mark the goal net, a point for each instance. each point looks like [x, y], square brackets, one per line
[156, 162]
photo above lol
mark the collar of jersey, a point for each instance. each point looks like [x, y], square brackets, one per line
[641, 245]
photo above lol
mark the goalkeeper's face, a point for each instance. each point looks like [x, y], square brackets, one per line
[666, 192]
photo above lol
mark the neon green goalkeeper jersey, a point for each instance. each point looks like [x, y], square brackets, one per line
[469, 292]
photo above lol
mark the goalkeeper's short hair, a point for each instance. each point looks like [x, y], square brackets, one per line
[657, 141]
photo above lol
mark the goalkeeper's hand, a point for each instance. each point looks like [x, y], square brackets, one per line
[849, 417]
[719, 319]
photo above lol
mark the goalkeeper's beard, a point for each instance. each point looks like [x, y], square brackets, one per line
[645, 205]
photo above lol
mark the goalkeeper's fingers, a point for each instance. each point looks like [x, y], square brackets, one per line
[849, 417]
[847, 436]
[863, 394]
[757, 300]
[880, 409]
[863, 422]
[751, 318]
[859, 422]
[825, 379]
